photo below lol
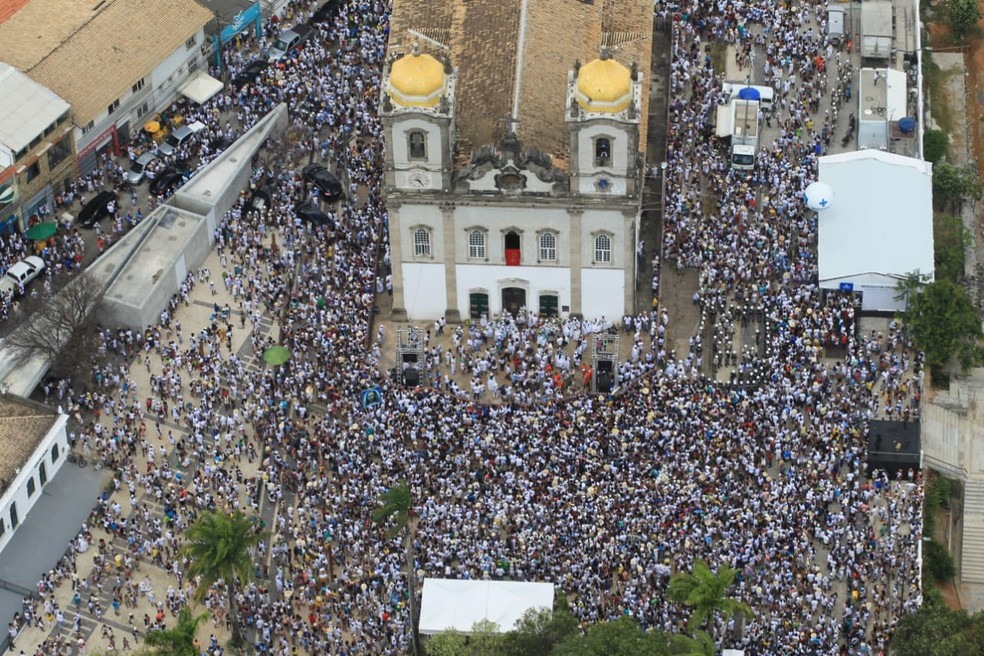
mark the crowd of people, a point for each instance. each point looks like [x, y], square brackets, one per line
[515, 471]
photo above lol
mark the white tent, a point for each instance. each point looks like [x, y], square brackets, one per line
[880, 228]
[459, 604]
[200, 87]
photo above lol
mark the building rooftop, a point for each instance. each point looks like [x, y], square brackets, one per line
[91, 53]
[23, 424]
[27, 108]
[881, 217]
[486, 38]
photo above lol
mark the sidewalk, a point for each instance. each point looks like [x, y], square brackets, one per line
[49, 540]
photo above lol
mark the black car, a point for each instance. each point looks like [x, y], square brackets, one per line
[251, 72]
[327, 11]
[309, 212]
[259, 200]
[166, 181]
[324, 180]
[96, 209]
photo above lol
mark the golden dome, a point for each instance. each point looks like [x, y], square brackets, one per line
[604, 85]
[416, 80]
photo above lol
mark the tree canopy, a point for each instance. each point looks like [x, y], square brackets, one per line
[935, 630]
[944, 324]
[220, 548]
[706, 593]
[180, 640]
[962, 15]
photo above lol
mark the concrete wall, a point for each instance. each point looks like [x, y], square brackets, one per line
[953, 428]
[15, 499]
[425, 290]
[602, 293]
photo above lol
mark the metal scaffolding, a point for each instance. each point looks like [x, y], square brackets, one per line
[410, 355]
[604, 363]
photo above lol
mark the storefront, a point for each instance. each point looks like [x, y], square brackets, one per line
[105, 144]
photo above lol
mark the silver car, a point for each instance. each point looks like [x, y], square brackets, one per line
[138, 168]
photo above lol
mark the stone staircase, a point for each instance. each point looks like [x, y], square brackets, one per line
[972, 546]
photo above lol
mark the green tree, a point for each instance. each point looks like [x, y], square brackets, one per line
[952, 183]
[220, 547]
[935, 630]
[962, 15]
[944, 324]
[937, 562]
[950, 238]
[936, 143]
[706, 594]
[538, 631]
[484, 640]
[622, 637]
[395, 505]
[179, 641]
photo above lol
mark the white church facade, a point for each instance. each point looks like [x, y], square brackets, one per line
[521, 192]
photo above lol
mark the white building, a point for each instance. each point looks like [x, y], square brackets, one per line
[33, 447]
[513, 172]
[115, 62]
[879, 226]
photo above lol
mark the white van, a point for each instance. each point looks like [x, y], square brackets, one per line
[766, 95]
[835, 25]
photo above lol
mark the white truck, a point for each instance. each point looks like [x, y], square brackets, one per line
[738, 121]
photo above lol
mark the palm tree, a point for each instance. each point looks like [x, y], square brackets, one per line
[219, 546]
[706, 593]
[395, 503]
[179, 641]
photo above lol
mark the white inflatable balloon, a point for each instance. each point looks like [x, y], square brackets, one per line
[818, 196]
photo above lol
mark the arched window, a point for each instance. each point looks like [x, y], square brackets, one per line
[418, 145]
[548, 247]
[421, 243]
[603, 151]
[603, 249]
[476, 244]
[54, 453]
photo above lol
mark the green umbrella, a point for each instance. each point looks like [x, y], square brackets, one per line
[41, 231]
[276, 355]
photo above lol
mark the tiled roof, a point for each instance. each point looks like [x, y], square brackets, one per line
[27, 108]
[482, 39]
[23, 424]
[91, 58]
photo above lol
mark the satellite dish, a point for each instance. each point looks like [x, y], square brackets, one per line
[818, 196]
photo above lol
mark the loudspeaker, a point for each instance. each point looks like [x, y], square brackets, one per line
[411, 377]
[409, 358]
[605, 381]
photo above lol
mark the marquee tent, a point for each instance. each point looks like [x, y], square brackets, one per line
[459, 604]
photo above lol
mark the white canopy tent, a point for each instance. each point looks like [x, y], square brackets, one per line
[879, 226]
[459, 604]
[200, 87]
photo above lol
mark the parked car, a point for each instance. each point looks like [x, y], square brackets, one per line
[327, 11]
[180, 137]
[289, 41]
[259, 200]
[21, 273]
[138, 168]
[309, 212]
[96, 209]
[324, 180]
[166, 181]
[251, 72]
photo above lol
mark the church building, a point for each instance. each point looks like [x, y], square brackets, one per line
[515, 138]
